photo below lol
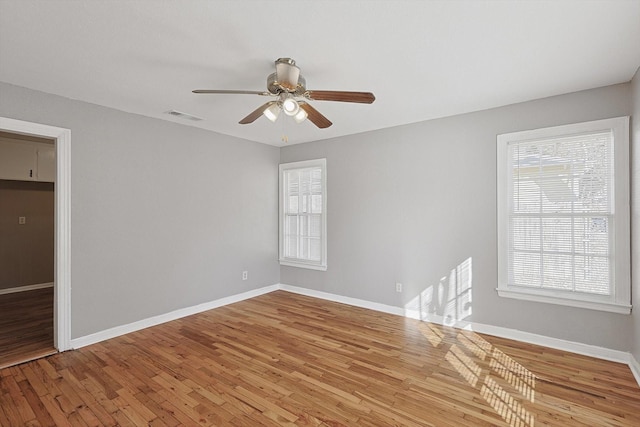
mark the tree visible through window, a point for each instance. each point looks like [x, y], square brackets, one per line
[560, 218]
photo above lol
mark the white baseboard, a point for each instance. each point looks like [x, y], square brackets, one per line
[26, 288]
[555, 343]
[167, 317]
[344, 300]
[635, 367]
[573, 347]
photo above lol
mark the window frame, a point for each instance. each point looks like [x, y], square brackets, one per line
[299, 262]
[619, 301]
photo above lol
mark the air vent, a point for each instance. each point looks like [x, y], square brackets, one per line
[184, 115]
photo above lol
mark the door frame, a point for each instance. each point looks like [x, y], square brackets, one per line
[62, 217]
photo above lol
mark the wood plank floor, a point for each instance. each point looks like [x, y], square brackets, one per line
[286, 359]
[26, 326]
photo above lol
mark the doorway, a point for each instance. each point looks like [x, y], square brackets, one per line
[27, 200]
[61, 295]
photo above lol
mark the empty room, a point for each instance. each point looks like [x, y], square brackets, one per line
[319, 213]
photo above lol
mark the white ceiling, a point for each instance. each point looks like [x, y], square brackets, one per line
[422, 59]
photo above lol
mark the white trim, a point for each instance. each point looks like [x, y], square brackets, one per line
[344, 300]
[555, 343]
[167, 317]
[26, 288]
[498, 331]
[302, 263]
[62, 280]
[635, 367]
[620, 298]
[558, 300]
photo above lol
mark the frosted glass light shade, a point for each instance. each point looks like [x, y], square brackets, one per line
[300, 116]
[290, 107]
[272, 112]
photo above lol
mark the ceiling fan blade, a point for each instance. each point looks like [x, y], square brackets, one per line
[314, 116]
[231, 92]
[257, 113]
[335, 95]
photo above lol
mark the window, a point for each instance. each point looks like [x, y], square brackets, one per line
[303, 219]
[563, 215]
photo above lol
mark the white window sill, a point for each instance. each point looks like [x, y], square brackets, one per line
[523, 294]
[303, 265]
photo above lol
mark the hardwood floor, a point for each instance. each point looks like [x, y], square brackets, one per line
[26, 326]
[286, 359]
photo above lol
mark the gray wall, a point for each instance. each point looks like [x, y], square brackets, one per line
[166, 216]
[635, 212]
[163, 216]
[416, 204]
[26, 250]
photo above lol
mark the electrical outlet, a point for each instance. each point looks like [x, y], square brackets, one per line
[245, 275]
[398, 287]
[22, 220]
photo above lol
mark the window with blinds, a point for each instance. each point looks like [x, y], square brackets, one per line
[558, 217]
[303, 214]
[560, 221]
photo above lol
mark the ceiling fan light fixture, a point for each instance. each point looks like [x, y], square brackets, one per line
[290, 107]
[289, 93]
[272, 112]
[300, 116]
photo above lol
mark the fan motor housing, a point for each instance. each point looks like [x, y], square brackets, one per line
[276, 88]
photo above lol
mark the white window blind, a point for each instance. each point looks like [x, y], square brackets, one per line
[561, 216]
[559, 228]
[303, 214]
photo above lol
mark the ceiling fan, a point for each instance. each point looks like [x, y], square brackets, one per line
[288, 87]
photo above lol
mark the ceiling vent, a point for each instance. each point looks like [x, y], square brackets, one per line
[184, 115]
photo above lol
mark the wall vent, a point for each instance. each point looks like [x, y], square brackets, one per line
[184, 115]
